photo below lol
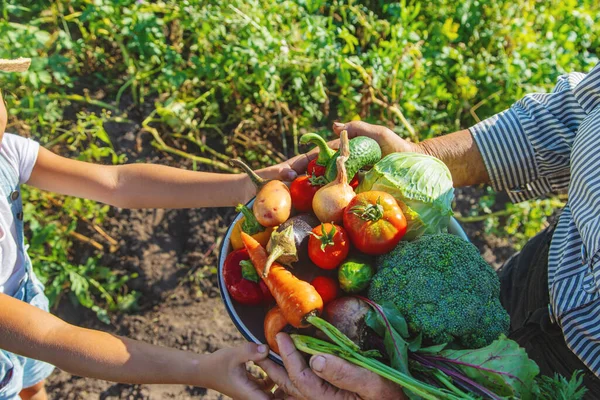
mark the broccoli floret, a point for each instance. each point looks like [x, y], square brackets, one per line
[444, 289]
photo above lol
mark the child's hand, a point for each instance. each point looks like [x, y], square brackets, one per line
[288, 170]
[228, 373]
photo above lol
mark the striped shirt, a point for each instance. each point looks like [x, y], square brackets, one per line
[551, 143]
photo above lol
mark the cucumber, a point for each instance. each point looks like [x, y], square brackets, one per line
[363, 151]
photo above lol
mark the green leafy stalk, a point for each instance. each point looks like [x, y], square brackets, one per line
[315, 346]
[250, 224]
[338, 336]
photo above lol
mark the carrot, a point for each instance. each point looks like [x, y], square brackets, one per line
[274, 323]
[296, 299]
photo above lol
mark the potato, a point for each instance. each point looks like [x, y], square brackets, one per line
[273, 204]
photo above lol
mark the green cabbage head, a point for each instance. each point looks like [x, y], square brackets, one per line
[421, 184]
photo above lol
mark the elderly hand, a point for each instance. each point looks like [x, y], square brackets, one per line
[328, 377]
[387, 139]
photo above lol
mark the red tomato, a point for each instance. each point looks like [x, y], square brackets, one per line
[328, 245]
[327, 287]
[240, 288]
[375, 222]
[303, 190]
[315, 169]
[354, 182]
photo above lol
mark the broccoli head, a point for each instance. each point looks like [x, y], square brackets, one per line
[444, 289]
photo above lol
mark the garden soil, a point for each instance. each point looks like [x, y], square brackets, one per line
[174, 253]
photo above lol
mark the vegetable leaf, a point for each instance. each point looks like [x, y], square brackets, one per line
[503, 367]
[559, 388]
[395, 317]
[395, 345]
[248, 271]
[375, 322]
[415, 344]
[433, 349]
[397, 350]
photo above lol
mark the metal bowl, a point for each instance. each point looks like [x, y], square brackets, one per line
[249, 319]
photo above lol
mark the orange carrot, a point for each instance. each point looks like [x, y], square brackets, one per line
[274, 323]
[296, 299]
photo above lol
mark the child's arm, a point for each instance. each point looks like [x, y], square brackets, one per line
[33, 333]
[151, 186]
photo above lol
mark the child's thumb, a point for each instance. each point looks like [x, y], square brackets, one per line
[253, 352]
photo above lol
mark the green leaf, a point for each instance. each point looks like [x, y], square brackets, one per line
[395, 345]
[559, 388]
[433, 349]
[397, 350]
[248, 271]
[502, 367]
[395, 318]
[415, 344]
[374, 322]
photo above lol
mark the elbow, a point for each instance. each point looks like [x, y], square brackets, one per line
[115, 191]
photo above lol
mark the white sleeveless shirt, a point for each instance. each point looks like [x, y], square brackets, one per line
[21, 154]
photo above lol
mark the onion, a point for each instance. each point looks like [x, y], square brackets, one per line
[331, 200]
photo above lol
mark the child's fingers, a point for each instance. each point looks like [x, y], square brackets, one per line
[251, 352]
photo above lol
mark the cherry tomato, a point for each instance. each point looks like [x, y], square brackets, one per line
[315, 169]
[328, 245]
[327, 287]
[244, 286]
[303, 190]
[375, 222]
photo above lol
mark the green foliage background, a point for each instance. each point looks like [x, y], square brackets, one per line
[209, 79]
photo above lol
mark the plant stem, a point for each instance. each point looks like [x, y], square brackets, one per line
[482, 217]
[458, 377]
[325, 152]
[315, 346]
[442, 377]
[333, 333]
[257, 180]
[161, 145]
[250, 225]
[83, 99]
[452, 361]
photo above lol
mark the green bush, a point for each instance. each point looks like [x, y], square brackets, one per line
[210, 79]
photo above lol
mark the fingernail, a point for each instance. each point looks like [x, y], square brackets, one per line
[262, 348]
[317, 363]
[338, 125]
[291, 175]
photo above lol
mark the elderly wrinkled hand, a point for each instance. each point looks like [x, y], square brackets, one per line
[327, 377]
[387, 139]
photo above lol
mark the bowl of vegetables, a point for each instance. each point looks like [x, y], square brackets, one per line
[371, 267]
[254, 301]
[338, 257]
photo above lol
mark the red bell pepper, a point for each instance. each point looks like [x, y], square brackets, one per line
[303, 190]
[242, 282]
[316, 167]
